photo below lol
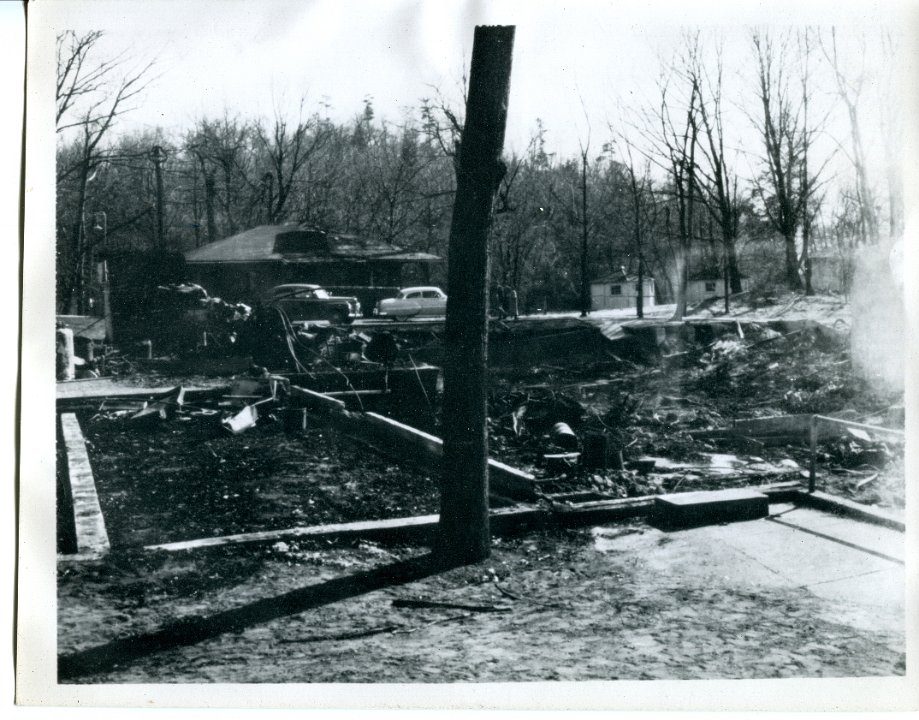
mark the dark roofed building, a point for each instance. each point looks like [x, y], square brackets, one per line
[245, 265]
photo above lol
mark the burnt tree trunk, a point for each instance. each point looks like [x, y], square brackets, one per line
[585, 285]
[464, 533]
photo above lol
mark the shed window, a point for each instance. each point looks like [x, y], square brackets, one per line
[709, 286]
[615, 290]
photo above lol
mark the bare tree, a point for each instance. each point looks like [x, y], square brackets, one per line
[811, 198]
[892, 130]
[789, 189]
[224, 151]
[585, 235]
[670, 134]
[849, 89]
[639, 191]
[91, 93]
[287, 150]
[719, 191]
[442, 123]
[782, 135]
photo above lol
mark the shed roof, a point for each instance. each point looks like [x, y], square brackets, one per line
[299, 243]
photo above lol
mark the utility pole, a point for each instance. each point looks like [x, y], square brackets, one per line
[159, 155]
[464, 535]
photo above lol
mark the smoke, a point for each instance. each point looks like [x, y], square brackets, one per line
[878, 316]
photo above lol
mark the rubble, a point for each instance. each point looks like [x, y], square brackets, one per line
[718, 396]
[601, 425]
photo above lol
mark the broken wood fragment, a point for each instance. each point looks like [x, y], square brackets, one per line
[453, 606]
[164, 407]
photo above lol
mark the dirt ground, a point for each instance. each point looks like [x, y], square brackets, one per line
[547, 606]
[552, 605]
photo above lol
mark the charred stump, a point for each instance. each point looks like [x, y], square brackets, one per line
[464, 533]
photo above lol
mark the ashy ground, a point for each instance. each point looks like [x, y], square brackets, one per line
[800, 594]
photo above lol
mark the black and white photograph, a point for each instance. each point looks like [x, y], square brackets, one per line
[477, 355]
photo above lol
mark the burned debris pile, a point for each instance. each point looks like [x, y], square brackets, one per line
[667, 424]
[575, 414]
[240, 458]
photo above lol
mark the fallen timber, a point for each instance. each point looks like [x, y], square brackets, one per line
[404, 442]
[523, 518]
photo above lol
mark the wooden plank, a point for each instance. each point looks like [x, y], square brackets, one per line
[91, 535]
[102, 388]
[840, 425]
[776, 425]
[504, 478]
[313, 400]
[503, 521]
[603, 510]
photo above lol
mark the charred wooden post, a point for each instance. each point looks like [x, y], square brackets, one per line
[464, 533]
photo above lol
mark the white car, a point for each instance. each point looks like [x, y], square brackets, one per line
[413, 302]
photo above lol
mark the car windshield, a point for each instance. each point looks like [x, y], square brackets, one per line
[320, 293]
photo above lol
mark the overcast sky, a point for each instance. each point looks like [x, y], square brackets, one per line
[575, 63]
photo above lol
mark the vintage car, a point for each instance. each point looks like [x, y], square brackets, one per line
[413, 302]
[302, 303]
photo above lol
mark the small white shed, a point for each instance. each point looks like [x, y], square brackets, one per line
[619, 290]
[702, 286]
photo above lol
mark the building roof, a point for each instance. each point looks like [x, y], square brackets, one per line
[299, 243]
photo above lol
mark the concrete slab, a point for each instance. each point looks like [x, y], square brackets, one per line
[872, 538]
[706, 507]
[856, 568]
[91, 535]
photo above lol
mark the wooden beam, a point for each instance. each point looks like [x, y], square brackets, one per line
[423, 527]
[408, 443]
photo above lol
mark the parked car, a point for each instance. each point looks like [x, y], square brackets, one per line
[304, 302]
[413, 302]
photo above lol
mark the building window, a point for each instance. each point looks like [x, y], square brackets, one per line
[709, 286]
[615, 290]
